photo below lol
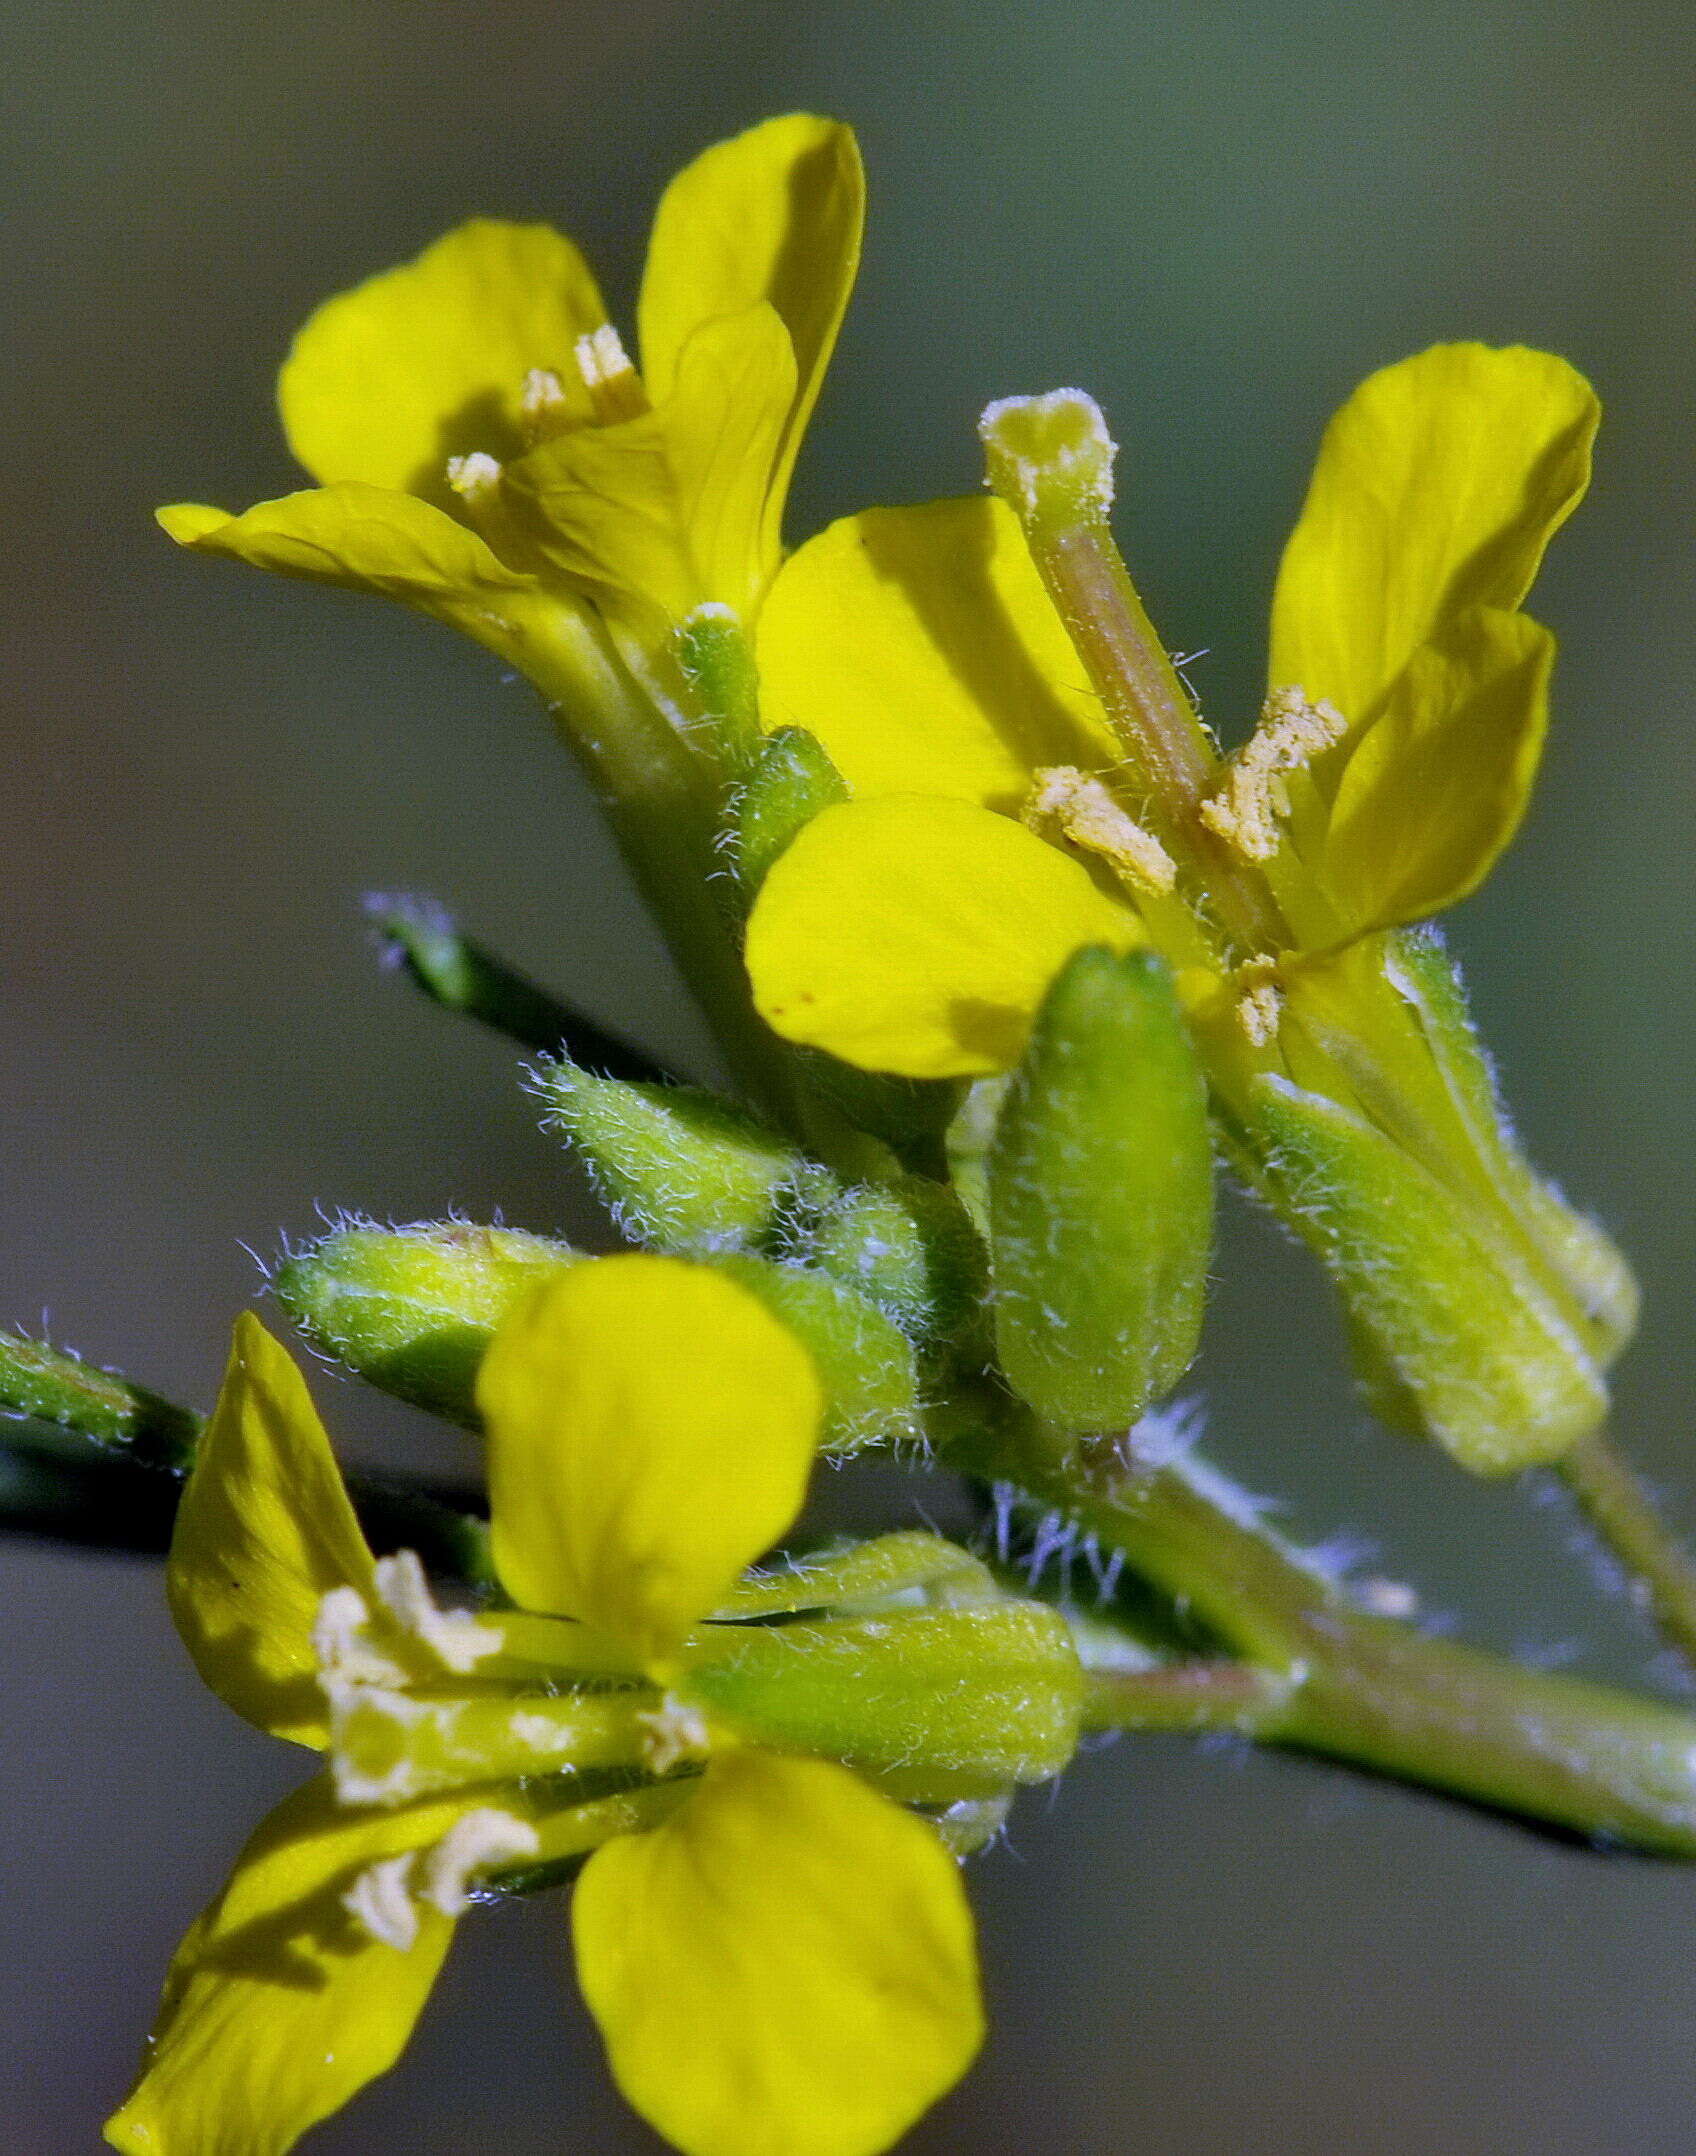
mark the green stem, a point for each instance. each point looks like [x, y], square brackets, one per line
[462, 976]
[1659, 1571]
[662, 799]
[93, 1459]
[1211, 1694]
[1359, 1688]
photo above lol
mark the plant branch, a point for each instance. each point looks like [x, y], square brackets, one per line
[1660, 1574]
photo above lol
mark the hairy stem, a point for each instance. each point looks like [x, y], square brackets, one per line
[1660, 1573]
[1359, 1688]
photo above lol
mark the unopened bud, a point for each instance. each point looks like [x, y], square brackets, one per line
[1101, 1197]
[679, 1170]
[412, 1310]
[911, 1248]
[864, 1361]
[790, 782]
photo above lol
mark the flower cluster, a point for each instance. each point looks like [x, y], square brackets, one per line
[1002, 949]
[761, 1932]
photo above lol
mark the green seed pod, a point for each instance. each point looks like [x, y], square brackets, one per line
[865, 1363]
[1101, 1197]
[679, 1170]
[412, 1310]
[791, 779]
[1452, 1328]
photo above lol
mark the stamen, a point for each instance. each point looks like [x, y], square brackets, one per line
[1090, 817]
[380, 1900]
[346, 1654]
[1255, 796]
[615, 389]
[476, 478]
[675, 1731]
[458, 1640]
[1260, 1006]
[482, 1841]
[543, 408]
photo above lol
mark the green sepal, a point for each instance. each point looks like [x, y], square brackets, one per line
[1578, 1252]
[678, 1169]
[865, 1362]
[790, 780]
[865, 1577]
[1450, 1329]
[1101, 1197]
[714, 658]
[412, 1310]
[945, 1695]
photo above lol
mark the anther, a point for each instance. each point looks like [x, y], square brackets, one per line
[458, 1640]
[380, 1901]
[615, 389]
[674, 1731]
[1090, 817]
[1260, 1003]
[543, 407]
[481, 1841]
[476, 478]
[1248, 807]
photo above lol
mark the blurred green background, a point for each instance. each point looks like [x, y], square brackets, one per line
[1217, 218]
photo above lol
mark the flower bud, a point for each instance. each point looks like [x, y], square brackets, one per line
[909, 1247]
[679, 1170]
[412, 1310]
[864, 1362]
[1101, 1197]
[790, 781]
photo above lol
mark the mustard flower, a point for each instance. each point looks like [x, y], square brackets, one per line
[778, 1953]
[982, 676]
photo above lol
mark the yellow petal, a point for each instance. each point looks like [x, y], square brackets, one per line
[774, 214]
[368, 539]
[917, 935]
[1438, 486]
[279, 2006]
[427, 361]
[784, 1968]
[671, 505]
[920, 647]
[651, 1427]
[1436, 785]
[263, 1533]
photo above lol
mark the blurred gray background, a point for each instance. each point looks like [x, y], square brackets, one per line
[1215, 217]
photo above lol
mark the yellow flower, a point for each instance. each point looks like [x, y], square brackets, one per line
[487, 454]
[486, 451]
[779, 1956]
[1406, 712]
[1027, 774]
